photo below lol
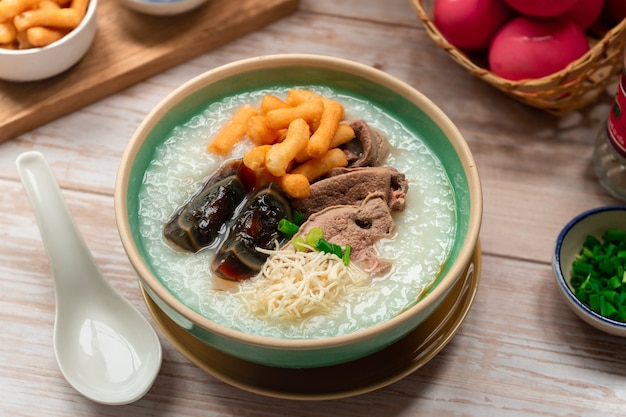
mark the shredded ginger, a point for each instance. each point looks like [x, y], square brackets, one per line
[294, 285]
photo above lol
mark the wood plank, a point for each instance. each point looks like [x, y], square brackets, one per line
[130, 47]
[375, 11]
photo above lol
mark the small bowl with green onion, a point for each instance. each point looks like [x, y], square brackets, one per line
[590, 267]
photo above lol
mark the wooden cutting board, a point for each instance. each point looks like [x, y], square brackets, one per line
[130, 47]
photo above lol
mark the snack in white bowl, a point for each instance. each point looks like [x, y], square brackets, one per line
[60, 47]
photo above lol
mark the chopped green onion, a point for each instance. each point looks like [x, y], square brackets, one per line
[346, 255]
[287, 227]
[576, 280]
[608, 309]
[314, 235]
[582, 295]
[582, 268]
[615, 283]
[315, 239]
[591, 241]
[621, 313]
[614, 235]
[598, 274]
[609, 295]
[299, 244]
[594, 302]
[325, 246]
[298, 218]
[586, 252]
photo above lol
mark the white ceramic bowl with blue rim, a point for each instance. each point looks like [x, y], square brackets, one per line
[569, 243]
[162, 7]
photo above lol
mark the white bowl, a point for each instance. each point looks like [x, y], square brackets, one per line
[568, 245]
[162, 7]
[40, 63]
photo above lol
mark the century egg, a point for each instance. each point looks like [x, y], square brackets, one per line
[417, 249]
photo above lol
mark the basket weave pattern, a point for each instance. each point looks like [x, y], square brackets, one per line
[572, 88]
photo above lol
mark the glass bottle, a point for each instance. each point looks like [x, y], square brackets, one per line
[609, 156]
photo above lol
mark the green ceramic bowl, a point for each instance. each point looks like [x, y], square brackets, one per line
[400, 100]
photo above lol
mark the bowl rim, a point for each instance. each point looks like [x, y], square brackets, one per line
[306, 60]
[89, 15]
[558, 265]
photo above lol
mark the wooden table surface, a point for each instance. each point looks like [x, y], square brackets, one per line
[520, 350]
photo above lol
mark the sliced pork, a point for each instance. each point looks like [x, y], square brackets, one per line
[359, 226]
[350, 186]
[369, 148]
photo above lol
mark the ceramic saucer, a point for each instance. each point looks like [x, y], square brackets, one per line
[338, 381]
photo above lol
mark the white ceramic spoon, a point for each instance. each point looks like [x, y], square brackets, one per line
[104, 347]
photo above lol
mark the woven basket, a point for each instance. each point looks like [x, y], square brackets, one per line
[574, 87]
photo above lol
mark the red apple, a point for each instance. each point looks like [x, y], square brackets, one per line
[470, 24]
[542, 8]
[614, 11]
[533, 48]
[586, 12]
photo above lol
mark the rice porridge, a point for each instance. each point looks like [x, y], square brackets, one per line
[418, 248]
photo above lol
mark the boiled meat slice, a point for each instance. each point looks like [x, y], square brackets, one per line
[359, 226]
[369, 148]
[350, 186]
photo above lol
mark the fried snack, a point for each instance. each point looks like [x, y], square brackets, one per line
[281, 131]
[260, 133]
[311, 111]
[11, 8]
[343, 134]
[48, 4]
[255, 157]
[80, 6]
[282, 134]
[319, 143]
[295, 185]
[271, 102]
[296, 97]
[38, 22]
[263, 177]
[39, 36]
[235, 130]
[318, 167]
[8, 34]
[62, 18]
[22, 41]
[280, 155]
